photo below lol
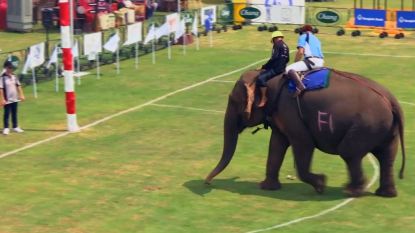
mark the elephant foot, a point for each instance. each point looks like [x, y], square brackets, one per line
[388, 191]
[354, 191]
[268, 184]
[320, 183]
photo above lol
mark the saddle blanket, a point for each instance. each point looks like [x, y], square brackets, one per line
[314, 79]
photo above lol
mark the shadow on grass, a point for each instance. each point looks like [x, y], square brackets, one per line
[289, 191]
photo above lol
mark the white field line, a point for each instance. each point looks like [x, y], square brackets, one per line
[371, 55]
[187, 108]
[128, 110]
[223, 81]
[326, 211]
[408, 103]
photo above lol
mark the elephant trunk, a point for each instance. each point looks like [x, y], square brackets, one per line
[230, 140]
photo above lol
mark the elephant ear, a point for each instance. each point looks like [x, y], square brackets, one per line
[249, 79]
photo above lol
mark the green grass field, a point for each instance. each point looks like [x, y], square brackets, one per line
[139, 162]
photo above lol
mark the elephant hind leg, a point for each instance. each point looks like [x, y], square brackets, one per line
[386, 156]
[352, 149]
[356, 186]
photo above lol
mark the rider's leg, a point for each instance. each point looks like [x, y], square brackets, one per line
[292, 70]
[262, 82]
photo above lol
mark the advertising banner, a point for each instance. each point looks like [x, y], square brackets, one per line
[278, 2]
[405, 19]
[368, 17]
[274, 14]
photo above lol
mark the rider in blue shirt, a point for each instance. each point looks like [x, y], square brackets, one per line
[309, 55]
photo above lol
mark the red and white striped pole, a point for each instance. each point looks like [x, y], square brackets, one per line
[66, 43]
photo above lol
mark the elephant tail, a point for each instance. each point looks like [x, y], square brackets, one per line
[398, 114]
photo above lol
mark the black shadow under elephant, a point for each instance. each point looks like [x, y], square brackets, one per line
[352, 117]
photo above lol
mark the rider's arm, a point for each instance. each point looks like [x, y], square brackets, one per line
[299, 55]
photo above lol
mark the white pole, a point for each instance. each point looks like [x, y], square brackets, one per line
[168, 49]
[57, 77]
[197, 42]
[210, 38]
[118, 56]
[57, 71]
[136, 55]
[98, 70]
[118, 60]
[34, 83]
[153, 47]
[77, 61]
[184, 42]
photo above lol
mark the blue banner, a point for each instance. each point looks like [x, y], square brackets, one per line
[405, 19]
[367, 17]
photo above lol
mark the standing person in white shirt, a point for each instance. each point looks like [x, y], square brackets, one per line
[11, 93]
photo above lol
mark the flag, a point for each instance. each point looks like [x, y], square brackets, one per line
[150, 35]
[37, 55]
[113, 43]
[35, 58]
[26, 65]
[181, 29]
[133, 33]
[163, 30]
[53, 57]
[194, 26]
[75, 50]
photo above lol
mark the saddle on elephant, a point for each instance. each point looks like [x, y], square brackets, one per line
[310, 80]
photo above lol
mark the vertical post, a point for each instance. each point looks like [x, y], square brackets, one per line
[361, 3]
[354, 4]
[402, 4]
[66, 42]
[136, 55]
[386, 4]
[34, 83]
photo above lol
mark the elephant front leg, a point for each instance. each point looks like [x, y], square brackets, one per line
[303, 154]
[277, 148]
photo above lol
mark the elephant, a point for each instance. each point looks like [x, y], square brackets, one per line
[351, 117]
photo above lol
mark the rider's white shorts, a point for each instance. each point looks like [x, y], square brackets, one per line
[301, 66]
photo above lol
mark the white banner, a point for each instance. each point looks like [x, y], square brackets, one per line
[113, 43]
[37, 55]
[180, 30]
[280, 14]
[134, 34]
[92, 43]
[75, 50]
[163, 30]
[208, 12]
[279, 2]
[53, 57]
[172, 21]
[150, 35]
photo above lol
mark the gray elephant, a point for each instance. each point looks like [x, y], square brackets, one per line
[352, 117]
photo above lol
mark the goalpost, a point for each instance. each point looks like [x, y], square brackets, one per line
[65, 19]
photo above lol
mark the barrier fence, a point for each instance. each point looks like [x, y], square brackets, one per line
[225, 15]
